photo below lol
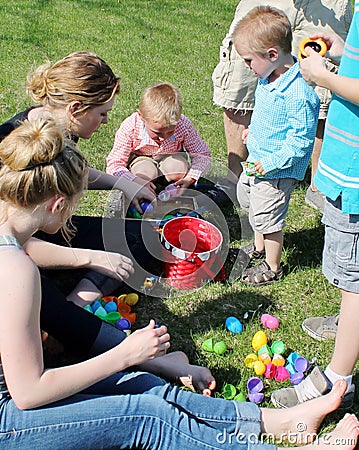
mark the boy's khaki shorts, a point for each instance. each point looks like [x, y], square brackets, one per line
[158, 162]
[234, 83]
[267, 201]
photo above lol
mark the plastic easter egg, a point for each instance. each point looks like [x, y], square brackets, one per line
[265, 349]
[270, 371]
[100, 312]
[296, 377]
[95, 305]
[269, 321]
[281, 374]
[250, 359]
[131, 316]
[278, 347]
[109, 298]
[278, 360]
[110, 307]
[113, 317]
[259, 368]
[123, 324]
[259, 339]
[292, 357]
[131, 299]
[146, 207]
[220, 347]
[123, 308]
[229, 391]
[265, 358]
[234, 325]
[290, 368]
[164, 196]
[88, 308]
[240, 397]
[121, 298]
[255, 384]
[256, 397]
[208, 345]
[301, 364]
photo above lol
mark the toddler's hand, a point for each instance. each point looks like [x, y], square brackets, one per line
[245, 134]
[184, 183]
[113, 265]
[259, 168]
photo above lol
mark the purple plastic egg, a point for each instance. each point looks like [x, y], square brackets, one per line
[296, 377]
[123, 324]
[147, 207]
[254, 384]
[256, 397]
[301, 364]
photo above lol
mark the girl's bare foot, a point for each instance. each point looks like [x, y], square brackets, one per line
[344, 436]
[301, 423]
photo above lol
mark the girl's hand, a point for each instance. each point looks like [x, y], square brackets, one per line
[144, 344]
[113, 265]
[334, 43]
[313, 68]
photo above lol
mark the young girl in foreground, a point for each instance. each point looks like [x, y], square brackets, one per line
[93, 404]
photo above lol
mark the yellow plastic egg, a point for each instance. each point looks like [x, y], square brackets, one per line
[278, 360]
[265, 358]
[131, 299]
[259, 339]
[259, 368]
[250, 359]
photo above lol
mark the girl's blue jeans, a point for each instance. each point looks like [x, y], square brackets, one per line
[132, 410]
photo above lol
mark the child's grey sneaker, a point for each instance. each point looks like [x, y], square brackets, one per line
[321, 328]
[314, 385]
[315, 199]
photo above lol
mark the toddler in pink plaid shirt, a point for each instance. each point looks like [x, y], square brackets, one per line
[158, 139]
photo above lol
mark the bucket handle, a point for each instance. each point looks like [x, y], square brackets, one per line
[222, 274]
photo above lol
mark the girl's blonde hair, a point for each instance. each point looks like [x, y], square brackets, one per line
[37, 163]
[264, 27]
[161, 103]
[80, 76]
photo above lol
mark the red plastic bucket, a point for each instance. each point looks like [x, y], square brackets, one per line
[194, 245]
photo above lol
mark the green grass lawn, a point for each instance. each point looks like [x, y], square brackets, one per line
[177, 41]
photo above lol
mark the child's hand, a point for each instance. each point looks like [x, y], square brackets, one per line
[259, 168]
[334, 43]
[184, 183]
[245, 134]
[145, 190]
[113, 265]
[144, 344]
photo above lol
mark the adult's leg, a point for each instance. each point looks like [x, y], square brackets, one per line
[235, 122]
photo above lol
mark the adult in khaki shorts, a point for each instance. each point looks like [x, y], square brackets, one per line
[234, 83]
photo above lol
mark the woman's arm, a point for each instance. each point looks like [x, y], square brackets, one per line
[30, 385]
[52, 256]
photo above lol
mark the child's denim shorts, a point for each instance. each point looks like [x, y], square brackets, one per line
[341, 249]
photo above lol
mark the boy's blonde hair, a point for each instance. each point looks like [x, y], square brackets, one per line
[37, 163]
[264, 27]
[161, 103]
[80, 76]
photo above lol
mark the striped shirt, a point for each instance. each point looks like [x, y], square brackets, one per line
[283, 125]
[338, 168]
[132, 138]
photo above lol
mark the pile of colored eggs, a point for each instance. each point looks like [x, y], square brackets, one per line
[115, 310]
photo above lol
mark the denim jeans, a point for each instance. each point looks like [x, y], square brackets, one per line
[132, 410]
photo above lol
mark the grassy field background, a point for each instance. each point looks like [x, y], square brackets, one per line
[176, 41]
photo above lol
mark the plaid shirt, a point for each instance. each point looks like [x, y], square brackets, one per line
[283, 125]
[132, 137]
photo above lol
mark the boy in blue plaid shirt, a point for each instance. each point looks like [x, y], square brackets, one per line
[280, 136]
